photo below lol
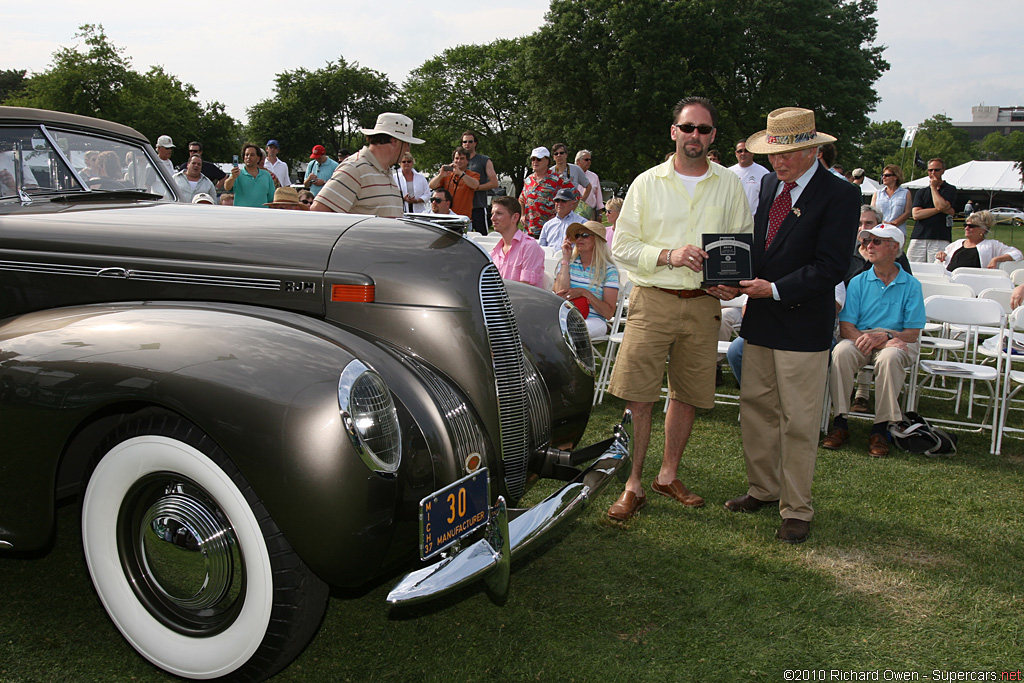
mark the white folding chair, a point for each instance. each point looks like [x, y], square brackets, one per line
[1011, 267]
[920, 269]
[1017, 277]
[613, 340]
[991, 272]
[978, 282]
[1014, 378]
[971, 313]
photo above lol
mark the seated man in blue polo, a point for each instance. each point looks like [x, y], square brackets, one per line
[881, 324]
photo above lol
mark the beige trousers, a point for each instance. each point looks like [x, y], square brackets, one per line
[781, 398]
[891, 366]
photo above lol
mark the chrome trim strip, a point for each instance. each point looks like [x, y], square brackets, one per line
[482, 558]
[143, 275]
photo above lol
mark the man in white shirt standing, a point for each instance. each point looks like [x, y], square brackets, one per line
[749, 173]
[164, 148]
[277, 167]
[594, 202]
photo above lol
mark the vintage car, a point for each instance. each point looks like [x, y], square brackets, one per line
[254, 405]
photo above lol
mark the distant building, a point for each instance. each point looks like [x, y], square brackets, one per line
[987, 120]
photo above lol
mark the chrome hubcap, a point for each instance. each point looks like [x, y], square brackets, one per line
[181, 555]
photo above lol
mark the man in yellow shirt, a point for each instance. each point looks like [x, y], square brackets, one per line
[658, 240]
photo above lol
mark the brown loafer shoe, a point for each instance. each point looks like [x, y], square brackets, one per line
[747, 503]
[836, 438]
[626, 506]
[878, 446]
[860, 405]
[793, 530]
[679, 492]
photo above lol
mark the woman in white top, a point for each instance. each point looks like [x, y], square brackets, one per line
[974, 250]
[894, 201]
[413, 186]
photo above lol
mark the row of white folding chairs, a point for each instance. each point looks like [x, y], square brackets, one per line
[974, 317]
[1011, 377]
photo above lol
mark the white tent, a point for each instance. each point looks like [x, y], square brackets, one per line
[869, 187]
[979, 176]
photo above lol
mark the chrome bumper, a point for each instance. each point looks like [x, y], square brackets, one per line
[490, 558]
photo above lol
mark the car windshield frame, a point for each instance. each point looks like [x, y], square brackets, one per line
[66, 177]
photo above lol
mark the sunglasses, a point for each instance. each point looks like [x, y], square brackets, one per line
[703, 129]
[561, 153]
[974, 225]
[583, 235]
[877, 241]
[307, 201]
[195, 151]
[468, 142]
[743, 151]
[936, 170]
[406, 161]
[888, 175]
[436, 200]
[585, 159]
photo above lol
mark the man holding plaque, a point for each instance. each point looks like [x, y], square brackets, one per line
[804, 232]
[667, 212]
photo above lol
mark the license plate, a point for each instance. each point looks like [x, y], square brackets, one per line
[454, 511]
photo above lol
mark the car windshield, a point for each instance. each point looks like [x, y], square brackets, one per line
[101, 163]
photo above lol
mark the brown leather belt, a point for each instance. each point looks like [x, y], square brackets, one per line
[683, 293]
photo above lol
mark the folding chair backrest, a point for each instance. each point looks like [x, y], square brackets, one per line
[929, 288]
[980, 282]
[1000, 295]
[991, 272]
[958, 310]
[919, 269]
[1017, 277]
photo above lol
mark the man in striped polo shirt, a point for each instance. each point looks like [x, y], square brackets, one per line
[364, 182]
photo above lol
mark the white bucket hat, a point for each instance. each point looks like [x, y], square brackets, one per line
[397, 126]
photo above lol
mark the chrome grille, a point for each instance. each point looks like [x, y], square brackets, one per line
[509, 378]
[466, 433]
[540, 408]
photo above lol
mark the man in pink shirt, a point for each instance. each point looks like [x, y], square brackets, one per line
[517, 256]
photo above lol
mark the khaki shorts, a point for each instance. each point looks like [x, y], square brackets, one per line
[662, 326]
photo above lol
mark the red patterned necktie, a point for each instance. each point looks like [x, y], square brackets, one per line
[780, 207]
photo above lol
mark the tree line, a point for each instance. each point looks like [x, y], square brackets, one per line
[598, 74]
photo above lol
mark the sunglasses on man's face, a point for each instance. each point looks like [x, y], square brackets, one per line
[888, 175]
[688, 128]
[743, 151]
[877, 241]
[307, 201]
[436, 200]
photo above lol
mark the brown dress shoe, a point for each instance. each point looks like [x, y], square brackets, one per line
[626, 506]
[878, 446]
[747, 503]
[836, 438]
[679, 492]
[860, 405]
[793, 530]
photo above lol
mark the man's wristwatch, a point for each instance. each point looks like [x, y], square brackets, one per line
[888, 335]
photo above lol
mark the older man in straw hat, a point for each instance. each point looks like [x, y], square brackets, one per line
[804, 230]
[363, 183]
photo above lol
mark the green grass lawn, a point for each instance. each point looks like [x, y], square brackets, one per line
[912, 564]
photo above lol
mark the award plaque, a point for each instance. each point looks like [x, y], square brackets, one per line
[728, 259]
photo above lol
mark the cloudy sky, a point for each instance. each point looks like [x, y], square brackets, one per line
[945, 55]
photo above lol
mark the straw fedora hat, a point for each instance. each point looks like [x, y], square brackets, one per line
[396, 125]
[789, 129]
[590, 227]
[285, 196]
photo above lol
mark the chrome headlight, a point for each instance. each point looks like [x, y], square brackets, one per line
[574, 331]
[370, 418]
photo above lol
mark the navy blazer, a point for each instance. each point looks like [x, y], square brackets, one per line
[808, 257]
